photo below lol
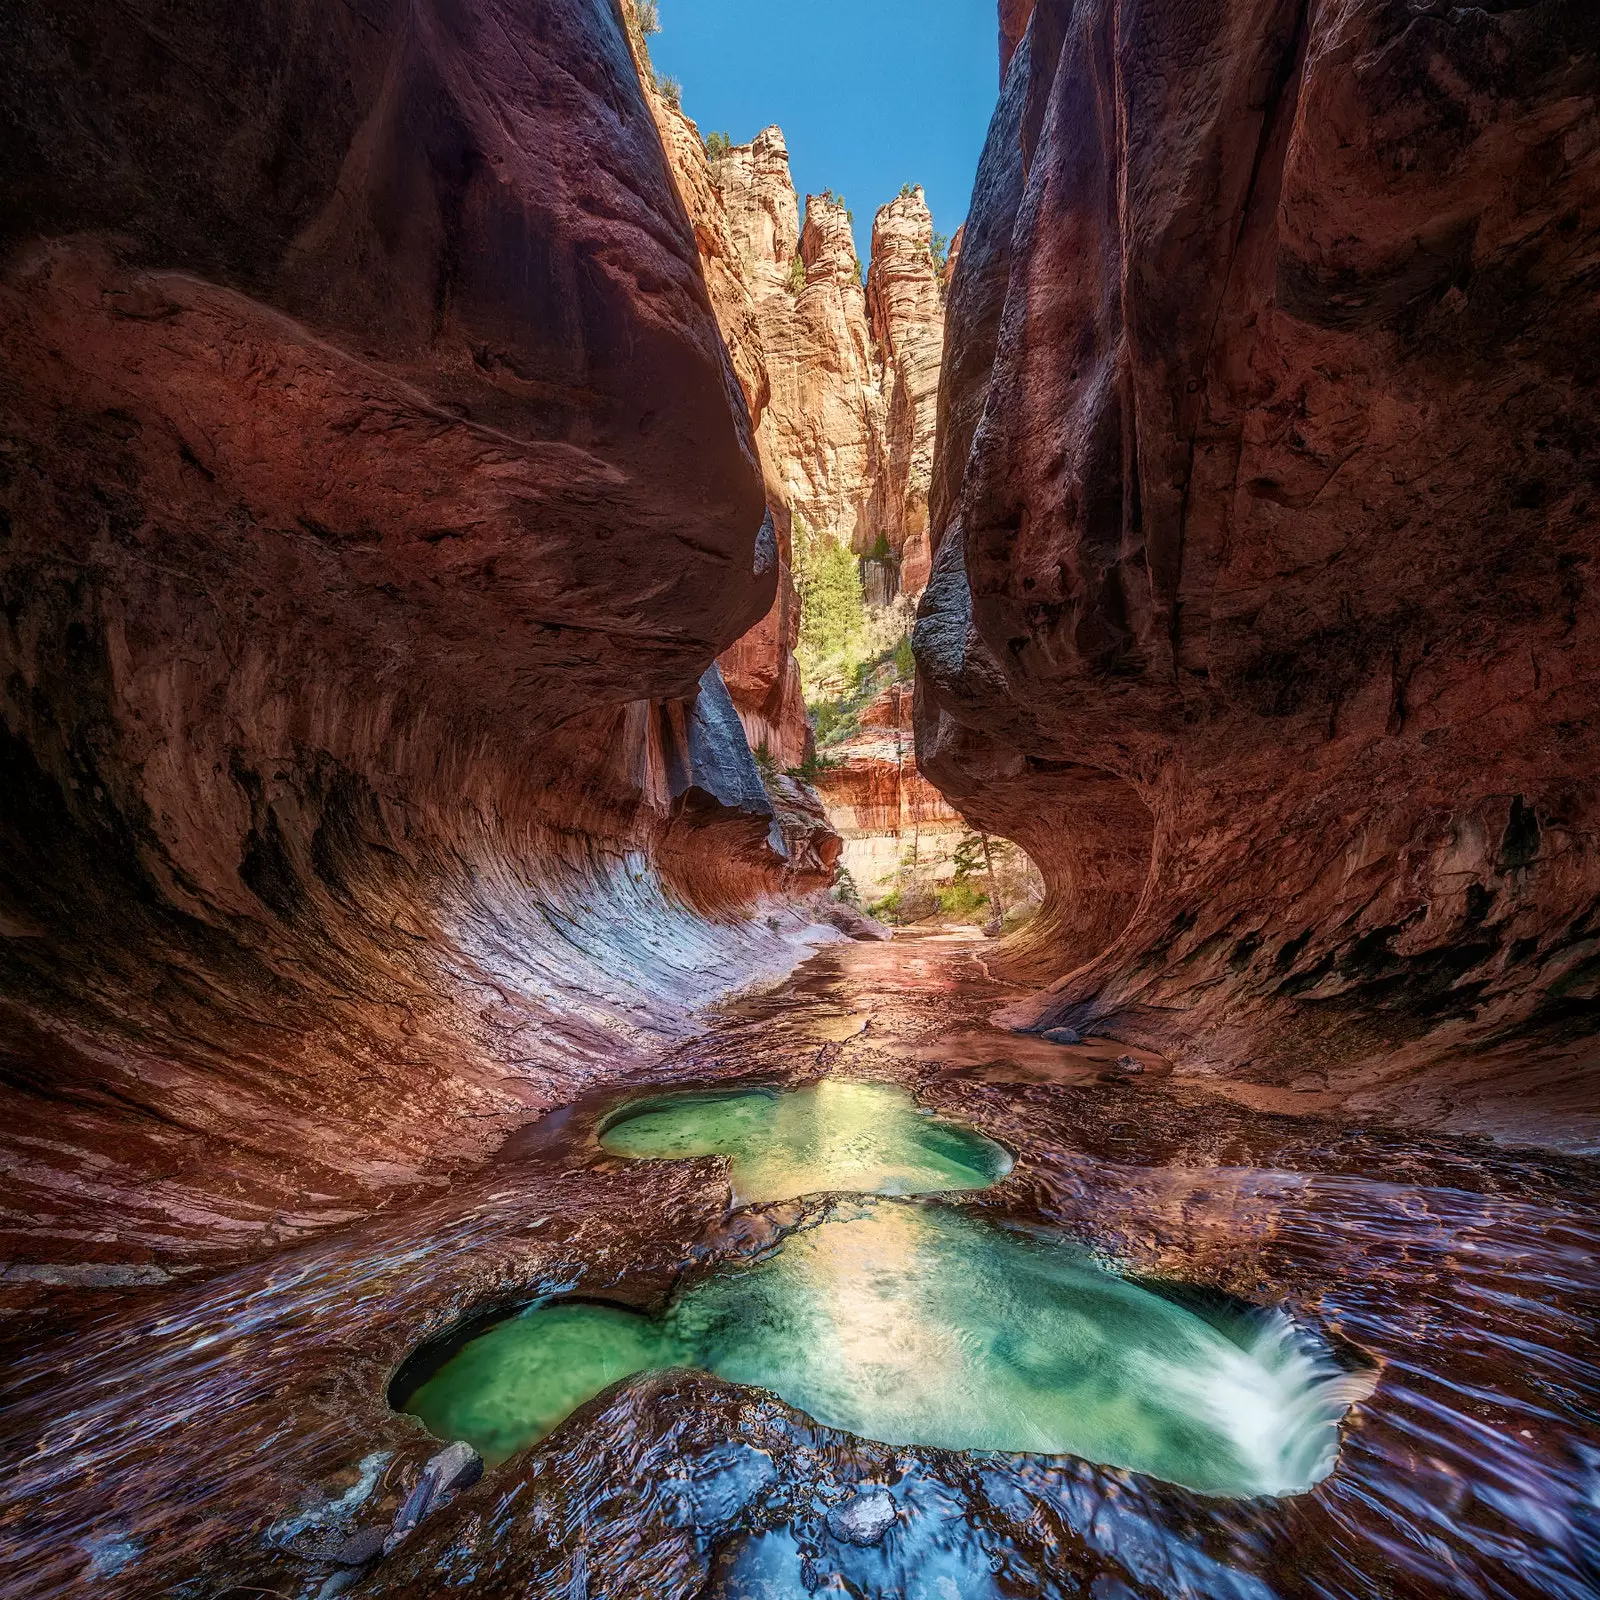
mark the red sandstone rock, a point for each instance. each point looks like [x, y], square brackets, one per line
[1014, 15]
[877, 799]
[846, 438]
[374, 493]
[1264, 611]
[759, 668]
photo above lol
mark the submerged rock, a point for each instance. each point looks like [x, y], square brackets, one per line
[357, 1550]
[864, 1519]
[454, 1467]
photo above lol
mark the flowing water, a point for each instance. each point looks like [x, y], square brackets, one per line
[916, 1325]
[1016, 1382]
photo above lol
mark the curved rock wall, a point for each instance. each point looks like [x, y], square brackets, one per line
[1265, 510]
[375, 493]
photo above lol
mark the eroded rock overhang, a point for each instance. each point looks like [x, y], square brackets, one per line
[376, 494]
[1263, 606]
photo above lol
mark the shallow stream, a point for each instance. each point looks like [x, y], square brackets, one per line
[1109, 1336]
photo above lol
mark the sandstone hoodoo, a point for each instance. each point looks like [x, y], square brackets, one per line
[683, 917]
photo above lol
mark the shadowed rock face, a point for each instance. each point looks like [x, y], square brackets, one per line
[1265, 509]
[374, 493]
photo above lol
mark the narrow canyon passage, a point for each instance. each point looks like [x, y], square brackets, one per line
[1455, 1285]
[706, 896]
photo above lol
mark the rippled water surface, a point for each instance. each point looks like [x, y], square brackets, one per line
[916, 1325]
[221, 1439]
[836, 1135]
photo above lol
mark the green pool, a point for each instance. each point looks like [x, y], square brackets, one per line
[829, 1137]
[914, 1323]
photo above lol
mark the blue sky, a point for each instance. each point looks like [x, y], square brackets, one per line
[870, 94]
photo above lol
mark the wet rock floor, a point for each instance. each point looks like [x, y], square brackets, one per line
[234, 1438]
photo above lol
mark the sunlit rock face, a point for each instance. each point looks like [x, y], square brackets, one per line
[759, 668]
[376, 493]
[840, 363]
[840, 377]
[906, 306]
[1264, 515]
[879, 801]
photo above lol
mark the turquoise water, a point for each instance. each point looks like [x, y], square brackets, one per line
[831, 1137]
[917, 1324]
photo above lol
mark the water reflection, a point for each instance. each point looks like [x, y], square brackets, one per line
[917, 1325]
[204, 1448]
[836, 1136]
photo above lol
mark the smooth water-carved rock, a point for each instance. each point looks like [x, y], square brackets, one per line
[377, 492]
[1265, 519]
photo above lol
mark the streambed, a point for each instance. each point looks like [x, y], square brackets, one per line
[912, 1324]
[227, 1437]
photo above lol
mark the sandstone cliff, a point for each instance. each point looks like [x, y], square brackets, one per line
[847, 400]
[840, 378]
[906, 304]
[760, 670]
[375, 494]
[883, 808]
[1264, 604]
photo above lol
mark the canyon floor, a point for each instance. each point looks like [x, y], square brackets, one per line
[229, 1438]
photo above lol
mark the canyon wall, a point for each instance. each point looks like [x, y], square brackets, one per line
[886, 812]
[375, 495]
[840, 368]
[1265, 518]
[905, 300]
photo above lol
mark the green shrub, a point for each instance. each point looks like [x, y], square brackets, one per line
[671, 91]
[768, 767]
[832, 614]
[907, 190]
[813, 766]
[647, 14]
[939, 251]
[717, 145]
[961, 900]
[833, 720]
[969, 857]
[797, 275]
[905, 661]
